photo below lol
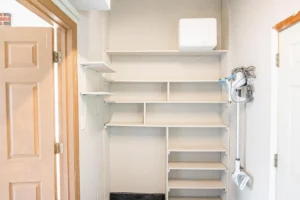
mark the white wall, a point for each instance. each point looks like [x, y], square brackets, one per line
[21, 16]
[92, 33]
[251, 44]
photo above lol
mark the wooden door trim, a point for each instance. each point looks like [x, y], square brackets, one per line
[51, 13]
[288, 22]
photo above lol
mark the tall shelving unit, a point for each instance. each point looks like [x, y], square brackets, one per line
[163, 121]
[197, 137]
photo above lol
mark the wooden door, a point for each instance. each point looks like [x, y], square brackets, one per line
[27, 162]
[288, 174]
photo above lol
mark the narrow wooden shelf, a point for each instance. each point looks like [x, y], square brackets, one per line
[98, 66]
[96, 93]
[195, 198]
[196, 184]
[167, 125]
[164, 53]
[163, 81]
[167, 102]
[204, 149]
[196, 166]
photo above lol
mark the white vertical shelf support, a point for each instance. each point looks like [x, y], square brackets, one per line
[167, 163]
[168, 91]
[84, 101]
[83, 117]
[145, 111]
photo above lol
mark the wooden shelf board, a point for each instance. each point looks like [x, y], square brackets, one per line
[195, 198]
[96, 93]
[211, 148]
[98, 66]
[164, 53]
[196, 166]
[196, 184]
[167, 102]
[163, 81]
[167, 125]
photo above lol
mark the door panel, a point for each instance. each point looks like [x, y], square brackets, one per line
[27, 162]
[22, 135]
[288, 175]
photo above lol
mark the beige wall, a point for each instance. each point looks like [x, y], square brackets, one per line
[153, 25]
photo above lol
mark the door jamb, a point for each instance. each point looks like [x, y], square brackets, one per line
[280, 27]
[288, 22]
[50, 12]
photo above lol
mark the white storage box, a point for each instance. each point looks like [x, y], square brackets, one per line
[198, 34]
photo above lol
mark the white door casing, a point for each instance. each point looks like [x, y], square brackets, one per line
[288, 172]
[27, 160]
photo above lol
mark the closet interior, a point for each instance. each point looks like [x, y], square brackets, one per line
[158, 115]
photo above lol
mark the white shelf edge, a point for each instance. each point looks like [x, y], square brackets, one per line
[162, 81]
[212, 149]
[96, 93]
[197, 184]
[98, 66]
[166, 102]
[196, 166]
[165, 53]
[166, 125]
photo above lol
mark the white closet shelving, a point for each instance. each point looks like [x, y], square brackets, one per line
[167, 125]
[196, 166]
[163, 81]
[199, 149]
[165, 53]
[190, 110]
[99, 67]
[164, 102]
[197, 184]
[96, 93]
[165, 116]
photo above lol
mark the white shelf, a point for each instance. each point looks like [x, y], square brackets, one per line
[98, 66]
[196, 184]
[200, 149]
[195, 198]
[165, 53]
[163, 81]
[167, 102]
[167, 125]
[96, 93]
[196, 166]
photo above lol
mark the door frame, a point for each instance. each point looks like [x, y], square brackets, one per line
[50, 12]
[278, 28]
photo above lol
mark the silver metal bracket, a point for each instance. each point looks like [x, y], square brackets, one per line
[58, 148]
[276, 160]
[57, 57]
[277, 60]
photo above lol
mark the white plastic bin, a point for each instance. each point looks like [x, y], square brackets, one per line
[197, 34]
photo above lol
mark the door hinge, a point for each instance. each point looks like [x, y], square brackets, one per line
[57, 57]
[276, 160]
[277, 60]
[58, 148]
